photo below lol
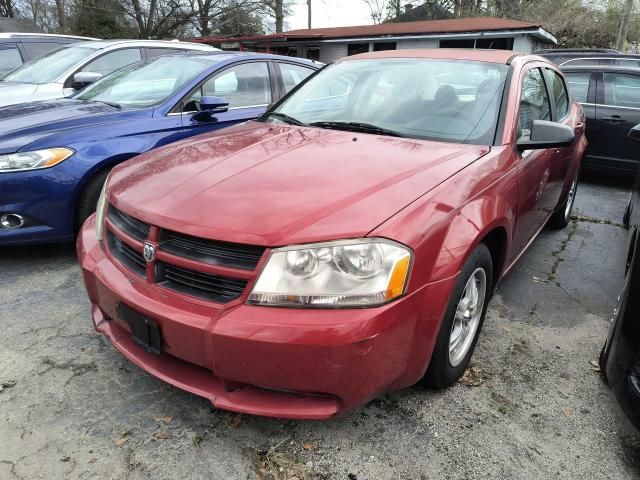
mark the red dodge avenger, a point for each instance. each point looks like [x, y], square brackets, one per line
[344, 245]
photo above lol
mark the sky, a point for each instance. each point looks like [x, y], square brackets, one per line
[329, 13]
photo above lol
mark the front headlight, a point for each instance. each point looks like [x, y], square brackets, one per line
[101, 210]
[347, 273]
[17, 162]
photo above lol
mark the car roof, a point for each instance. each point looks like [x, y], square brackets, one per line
[6, 35]
[222, 55]
[491, 56]
[599, 68]
[101, 44]
[575, 50]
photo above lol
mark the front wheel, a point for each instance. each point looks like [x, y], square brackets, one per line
[463, 320]
[562, 216]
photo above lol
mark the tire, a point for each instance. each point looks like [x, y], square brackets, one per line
[562, 216]
[89, 197]
[449, 361]
[626, 219]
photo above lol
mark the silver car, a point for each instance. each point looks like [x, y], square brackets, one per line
[62, 72]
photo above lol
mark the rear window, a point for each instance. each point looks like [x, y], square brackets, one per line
[622, 90]
[559, 92]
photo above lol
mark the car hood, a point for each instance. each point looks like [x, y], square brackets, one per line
[275, 185]
[13, 93]
[25, 123]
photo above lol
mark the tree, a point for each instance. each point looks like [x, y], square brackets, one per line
[239, 21]
[100, 18]
[7, 8]
[276, 11]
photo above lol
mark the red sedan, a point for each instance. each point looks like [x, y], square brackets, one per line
[344, 245]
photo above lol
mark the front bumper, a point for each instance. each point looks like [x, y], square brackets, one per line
[279, 362]
[45, 198]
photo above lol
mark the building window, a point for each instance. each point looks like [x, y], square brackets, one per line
[356, 48]
[457, 43]
[380, 46]
[483, 43]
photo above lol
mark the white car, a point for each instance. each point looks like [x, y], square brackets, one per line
[62, 72]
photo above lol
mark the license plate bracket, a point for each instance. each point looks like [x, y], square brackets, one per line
[145, 332]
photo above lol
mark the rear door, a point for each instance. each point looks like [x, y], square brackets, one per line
[10, 57]
[617, 112]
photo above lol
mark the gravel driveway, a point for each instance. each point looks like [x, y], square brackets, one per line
[530, 407]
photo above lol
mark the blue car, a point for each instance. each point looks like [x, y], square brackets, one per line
[56, 155]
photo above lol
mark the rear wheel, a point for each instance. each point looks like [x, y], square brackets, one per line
[562, 216]
[89, 197]
[463, 320]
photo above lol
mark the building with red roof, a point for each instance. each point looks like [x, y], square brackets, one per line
[329, 44]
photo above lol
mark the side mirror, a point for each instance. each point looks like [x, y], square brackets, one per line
[213, 104]
[635, 133]
[546, 134]
[82, 79]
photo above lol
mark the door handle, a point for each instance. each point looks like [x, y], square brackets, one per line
[613, 119]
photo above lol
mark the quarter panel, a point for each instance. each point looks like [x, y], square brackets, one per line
[444, 228]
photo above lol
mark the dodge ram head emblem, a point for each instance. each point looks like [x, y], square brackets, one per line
[149, 252]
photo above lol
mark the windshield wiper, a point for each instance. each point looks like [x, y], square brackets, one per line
[357, 127]
[287, 119]
[111, 104]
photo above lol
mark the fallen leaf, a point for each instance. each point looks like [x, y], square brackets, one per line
[236, 421]
[164, 419]
[7, 384]
[567, 411]
[473, 377]
[162, 436]
[308, 446]
[121, 441]
[595, 363]
[93, 460]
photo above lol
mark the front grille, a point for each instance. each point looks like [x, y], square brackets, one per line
[197, 284]
[128, 224]
[190, 281]
[126, 255]
[234, 255]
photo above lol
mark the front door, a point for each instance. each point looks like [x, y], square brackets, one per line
[246, 86]
[534, 166]
[617, 112]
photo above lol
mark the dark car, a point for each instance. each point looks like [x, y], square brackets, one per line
[610, 96]
[620, 357]
[561, 55]
[19, 48]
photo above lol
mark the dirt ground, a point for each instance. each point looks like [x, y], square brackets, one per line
[532, 406]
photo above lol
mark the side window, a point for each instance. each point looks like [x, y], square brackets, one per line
[9, 59]
[579, 85]
[622, 90]
[559, 92]
[534, 101]
[112, 61]
[156, 52]
[244, 85]
[37, 49]
[292, 75]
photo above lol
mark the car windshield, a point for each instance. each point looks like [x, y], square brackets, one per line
[146, 83]
[444, 100]
[49, 67]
